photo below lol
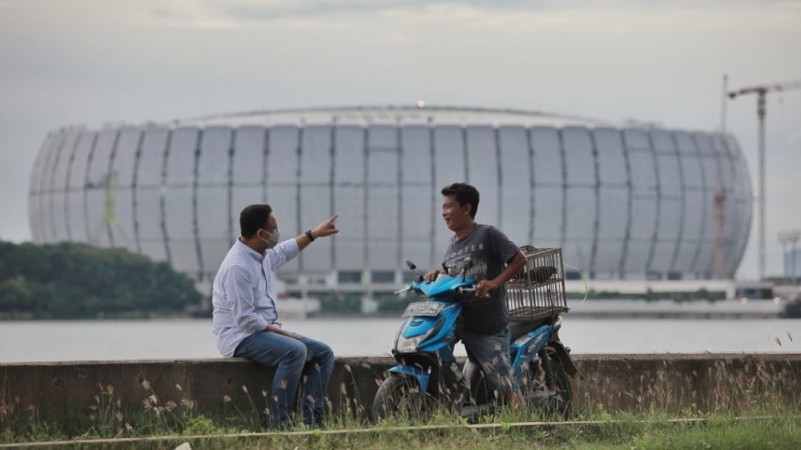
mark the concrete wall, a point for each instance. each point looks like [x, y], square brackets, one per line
[706, 382]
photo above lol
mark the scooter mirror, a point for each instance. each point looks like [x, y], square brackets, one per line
[410, 265]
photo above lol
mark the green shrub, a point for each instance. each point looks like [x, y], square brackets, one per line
[69, 280]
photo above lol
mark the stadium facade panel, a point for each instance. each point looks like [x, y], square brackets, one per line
[624, 202]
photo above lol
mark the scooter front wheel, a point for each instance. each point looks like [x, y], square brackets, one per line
[401, 397]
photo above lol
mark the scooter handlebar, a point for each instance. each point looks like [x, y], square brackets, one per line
[460, 290]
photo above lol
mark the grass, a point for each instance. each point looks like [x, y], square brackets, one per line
[629, 432]
[776, 426]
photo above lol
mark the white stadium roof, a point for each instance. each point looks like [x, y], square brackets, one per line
[394, 115]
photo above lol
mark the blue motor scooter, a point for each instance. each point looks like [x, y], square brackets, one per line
[427, 375]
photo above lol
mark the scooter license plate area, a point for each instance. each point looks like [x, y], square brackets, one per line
[423, 309]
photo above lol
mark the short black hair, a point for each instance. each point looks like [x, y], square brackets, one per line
[252, 218]
[464, 194]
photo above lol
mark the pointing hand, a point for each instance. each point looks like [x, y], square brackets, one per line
[326, 228]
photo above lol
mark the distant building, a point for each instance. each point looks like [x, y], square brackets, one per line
[792, 266]
[624, 202]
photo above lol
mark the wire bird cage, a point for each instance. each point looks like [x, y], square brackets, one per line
[538, 290]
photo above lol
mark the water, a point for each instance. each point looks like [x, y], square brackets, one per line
[192, 338]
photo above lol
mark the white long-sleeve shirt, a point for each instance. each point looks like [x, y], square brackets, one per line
[244, 293]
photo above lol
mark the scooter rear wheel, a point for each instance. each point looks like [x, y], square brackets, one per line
[560, 401]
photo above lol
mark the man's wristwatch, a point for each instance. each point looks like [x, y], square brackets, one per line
[310, 235]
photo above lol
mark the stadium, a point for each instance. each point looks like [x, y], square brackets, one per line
[625, 202]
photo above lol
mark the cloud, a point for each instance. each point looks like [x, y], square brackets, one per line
[613, 16]
[247, 14]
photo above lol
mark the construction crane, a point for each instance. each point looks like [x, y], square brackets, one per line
[761, 92]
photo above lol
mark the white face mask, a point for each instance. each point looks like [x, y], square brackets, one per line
[271, 241]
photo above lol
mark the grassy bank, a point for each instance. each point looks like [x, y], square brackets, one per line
[778, 427]
[739, 403]
[629, 432]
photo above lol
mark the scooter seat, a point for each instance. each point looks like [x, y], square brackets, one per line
[519, 328]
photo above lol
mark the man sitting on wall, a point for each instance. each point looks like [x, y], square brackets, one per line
[245, 320]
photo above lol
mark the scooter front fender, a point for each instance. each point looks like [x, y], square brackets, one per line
[421, 376]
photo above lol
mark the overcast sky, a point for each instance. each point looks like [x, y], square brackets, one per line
[96, 61]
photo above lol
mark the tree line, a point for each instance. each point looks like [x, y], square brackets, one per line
[68, 280]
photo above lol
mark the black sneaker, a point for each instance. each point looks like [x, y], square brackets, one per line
[315, 426]
[316, 422]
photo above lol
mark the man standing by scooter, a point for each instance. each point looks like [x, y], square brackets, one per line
[494, 260]
[245, 319]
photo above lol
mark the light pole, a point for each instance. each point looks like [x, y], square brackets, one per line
[793, 257]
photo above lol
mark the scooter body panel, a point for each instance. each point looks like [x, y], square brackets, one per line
[429, 338]
[525, 348]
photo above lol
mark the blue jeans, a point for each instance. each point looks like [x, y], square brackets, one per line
[491, 351]
[291, 358]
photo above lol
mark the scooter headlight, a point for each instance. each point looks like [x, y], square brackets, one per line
[404, 345]
[409, 345]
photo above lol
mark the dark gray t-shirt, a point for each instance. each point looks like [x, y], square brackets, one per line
[490, 250]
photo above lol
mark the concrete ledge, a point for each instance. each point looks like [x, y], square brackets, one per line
[707, 382]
